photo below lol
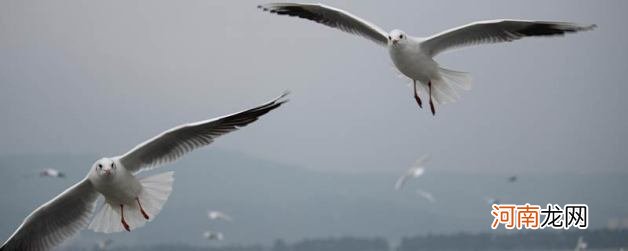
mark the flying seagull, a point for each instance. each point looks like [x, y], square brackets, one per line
[413, 56]
[581, 245]
[512, 179]
[218, 236]
[50, 172]
[492, 200]
[129, 201]
[217, 215]
[104, 244]
[414, 172]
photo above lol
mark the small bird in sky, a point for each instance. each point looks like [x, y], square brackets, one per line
[217, 215]
[104, 244]
[414, 172]
[51, 172]
[214, 236]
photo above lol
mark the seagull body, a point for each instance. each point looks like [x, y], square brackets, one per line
[104, 244]
[492, 200]
[218, 236]
[129, 201]
[50, 172]
[581, 245]
[414, 172]
[413, 56]
[217, 215]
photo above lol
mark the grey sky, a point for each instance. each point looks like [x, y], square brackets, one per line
[100, 77]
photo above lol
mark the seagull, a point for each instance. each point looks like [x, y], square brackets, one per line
[50, 172]
[492, 200]
[427, 195]
[218, 236]
[217, 215]
[104, 244]
[129, 201]
[581, 245]
[512, 179]
[414, 172]
[413, 56]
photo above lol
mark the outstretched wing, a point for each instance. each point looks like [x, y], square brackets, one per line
[332, 17]
[495, 31]
[401, 181]
[174, 143]
[55, 221]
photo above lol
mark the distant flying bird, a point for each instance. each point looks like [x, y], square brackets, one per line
[218, 236]
[413, 56]
[427, 195]
[50, 172]
[217, 215]
[129, 201]
[104, 244]
[512, 179]
[414, 172]
[581, 245]
[491, 200]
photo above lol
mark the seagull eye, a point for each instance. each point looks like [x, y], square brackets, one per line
[389, 38]
[112, 166]
[401, 36]
[100, 166]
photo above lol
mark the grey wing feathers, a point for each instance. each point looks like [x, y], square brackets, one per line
[332, 17]
[57, 220]
[495, 31]
[401, 181]
[172, 144]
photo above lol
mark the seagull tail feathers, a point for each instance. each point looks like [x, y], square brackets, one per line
[155, 192]
[445, 88]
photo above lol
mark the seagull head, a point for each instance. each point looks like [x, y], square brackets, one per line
[397, 36]
[105, 167]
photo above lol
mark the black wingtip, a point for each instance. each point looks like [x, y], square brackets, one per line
[283, 95]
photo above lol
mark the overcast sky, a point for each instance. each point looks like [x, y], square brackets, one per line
[100, 77]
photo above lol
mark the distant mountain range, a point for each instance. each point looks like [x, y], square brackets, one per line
[270, 200]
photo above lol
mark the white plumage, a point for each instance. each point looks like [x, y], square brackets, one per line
[129, 202]
[217, 215]
[413, 56]
[51, 172]
[413, 172]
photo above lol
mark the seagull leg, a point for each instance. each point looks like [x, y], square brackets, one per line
[416, 95]
[429, 84]
[142, 209]
[124, 224]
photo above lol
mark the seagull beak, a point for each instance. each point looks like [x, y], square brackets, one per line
[394, 41]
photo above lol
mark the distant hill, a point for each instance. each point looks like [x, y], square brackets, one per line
[270, 200]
